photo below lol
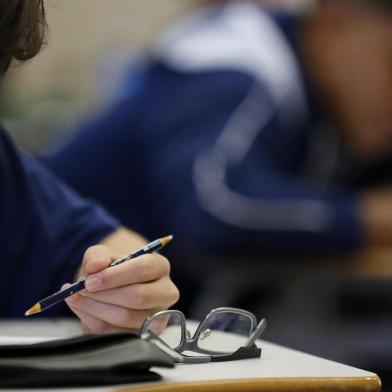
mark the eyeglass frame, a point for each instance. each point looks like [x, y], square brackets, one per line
[249, 350]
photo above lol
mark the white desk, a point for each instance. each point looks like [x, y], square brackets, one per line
[279, 369]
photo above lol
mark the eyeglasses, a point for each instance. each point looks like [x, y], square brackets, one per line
[225, 334]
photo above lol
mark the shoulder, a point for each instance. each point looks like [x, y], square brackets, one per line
[239, 36]
[15, 166]
[9, 157]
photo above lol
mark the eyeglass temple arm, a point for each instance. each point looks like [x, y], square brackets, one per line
[242, 353]
[257, 332]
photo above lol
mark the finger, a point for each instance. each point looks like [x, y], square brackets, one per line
[159, 294]
[116, 316]
[96, 258]
[90, 323]
[145, 268]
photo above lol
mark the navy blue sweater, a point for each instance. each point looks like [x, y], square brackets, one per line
[44, 230]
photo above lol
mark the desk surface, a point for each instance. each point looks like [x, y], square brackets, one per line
[279, 369]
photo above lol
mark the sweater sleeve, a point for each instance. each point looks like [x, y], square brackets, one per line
[46, 228]
[220, 164]
[230, 170]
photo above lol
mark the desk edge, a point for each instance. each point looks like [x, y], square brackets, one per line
[290, 384]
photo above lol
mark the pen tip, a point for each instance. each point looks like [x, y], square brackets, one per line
[166, 240]
[34, 309]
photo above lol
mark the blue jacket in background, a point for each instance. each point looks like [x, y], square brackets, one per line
[44, 230]
[210, 142]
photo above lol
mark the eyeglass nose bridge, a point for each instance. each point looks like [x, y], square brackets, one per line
[205, 334]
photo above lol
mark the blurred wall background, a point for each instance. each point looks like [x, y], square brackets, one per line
[84, 37]
[87, 38]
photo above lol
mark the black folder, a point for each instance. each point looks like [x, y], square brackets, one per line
[87, 360]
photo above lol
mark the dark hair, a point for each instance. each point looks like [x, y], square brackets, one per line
[22, 30]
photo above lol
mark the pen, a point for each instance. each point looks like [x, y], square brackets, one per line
[79, 285]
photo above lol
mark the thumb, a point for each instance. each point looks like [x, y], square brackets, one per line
[96, 258]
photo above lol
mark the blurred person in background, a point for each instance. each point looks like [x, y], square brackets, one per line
[249, 130]
[49, 235]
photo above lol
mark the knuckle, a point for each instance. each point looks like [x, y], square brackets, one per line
[144, 269]
[104, 279]
[174, 294]
[142, 297]
[166, 267]
[152, 267]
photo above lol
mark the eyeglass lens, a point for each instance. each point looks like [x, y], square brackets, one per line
[225, 332]
[168, 328]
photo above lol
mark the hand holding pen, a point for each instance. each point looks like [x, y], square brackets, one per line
[121, 296]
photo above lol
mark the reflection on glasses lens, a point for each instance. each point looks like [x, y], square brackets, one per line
[168, 328]
[228, 330]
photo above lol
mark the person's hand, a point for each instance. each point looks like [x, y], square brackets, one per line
[123, 296]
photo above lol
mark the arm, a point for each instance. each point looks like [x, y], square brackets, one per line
[47, 229]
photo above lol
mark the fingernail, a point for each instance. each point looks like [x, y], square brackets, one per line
[93, 283]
